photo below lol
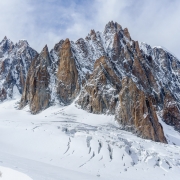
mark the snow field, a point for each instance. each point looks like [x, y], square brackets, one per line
[65, 143]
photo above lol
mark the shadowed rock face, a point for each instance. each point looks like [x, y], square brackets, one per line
[15, 60]
[171, 112]
[36, 91]
[3, 94]
[67, 75]
[136, 112]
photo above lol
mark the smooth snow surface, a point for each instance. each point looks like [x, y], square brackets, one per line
[10, 174]
[67, 143]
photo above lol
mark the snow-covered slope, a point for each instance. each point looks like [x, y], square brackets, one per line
[68, 143]
[10, 174]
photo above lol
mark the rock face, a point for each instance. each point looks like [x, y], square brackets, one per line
[136, 112]
[99, 94]
[52, 76]
[67, 75]
[171, 112]
[165, 82]
[15, 60]
[109, 72]
[36, 91]
[141, 82]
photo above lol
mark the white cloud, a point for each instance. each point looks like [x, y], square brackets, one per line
[155, 22]
[21, 19]
[46, 22]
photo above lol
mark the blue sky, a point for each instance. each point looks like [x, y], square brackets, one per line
[47, 21]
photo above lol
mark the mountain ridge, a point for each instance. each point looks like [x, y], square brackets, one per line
[109, 72]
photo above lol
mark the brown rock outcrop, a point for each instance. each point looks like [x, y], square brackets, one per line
[99, 93]
[126, 33]
[136, 112]
[140, 74]
[116, 48]
[67, 76]
[36, 91]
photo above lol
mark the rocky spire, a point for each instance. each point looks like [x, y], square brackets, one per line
[112, 27]
[22, 43]
[57, 47]
[44, 56]
[36, 91]
[67, 75]
[6, 45]
[5, 38]
[126, 33]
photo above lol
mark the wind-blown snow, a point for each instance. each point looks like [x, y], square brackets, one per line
[65, 143]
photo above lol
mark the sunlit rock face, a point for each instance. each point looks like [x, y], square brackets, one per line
[67, 75]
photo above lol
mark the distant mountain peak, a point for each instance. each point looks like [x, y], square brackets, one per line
[45, 49]
[5, 38]
[112, 27]
[22, 43]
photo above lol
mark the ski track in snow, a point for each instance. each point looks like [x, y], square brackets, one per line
[65, 143]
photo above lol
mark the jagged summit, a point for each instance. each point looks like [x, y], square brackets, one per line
[14, 64]
[44, 56]
[67, 40]
[107, 72]
[45, 51]
[6, 45]
[5, 38]
[45, 48]
[22, 43]
[112, 27]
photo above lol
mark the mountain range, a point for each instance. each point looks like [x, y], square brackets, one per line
[105, 73]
